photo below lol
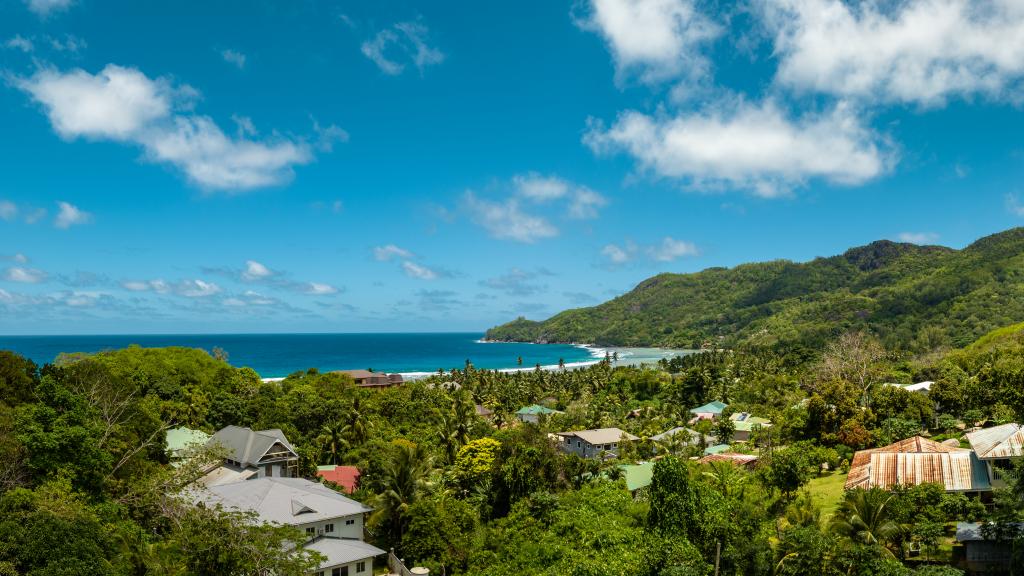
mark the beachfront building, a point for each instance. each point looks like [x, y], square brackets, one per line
[744, 423]
[250, 454]
[345, 476]
[368, 379]
[998, 447]
[916, 461]
[181, 441]
[533, 413]
[333, 524]
[603, 442]
[710, 411]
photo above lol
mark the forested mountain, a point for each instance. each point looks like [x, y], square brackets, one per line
[917, 297]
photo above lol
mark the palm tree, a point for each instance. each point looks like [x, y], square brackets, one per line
[727, 478]
[864, 517]
[358, 424]
[403, 479]
[332, 442]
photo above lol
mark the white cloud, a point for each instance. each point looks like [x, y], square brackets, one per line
[24, 275]
[618, 254]
[19, 42]
[386, 253]
[404, 41]
[196, 289]
[319, 289]
[918, 237]
[414, 270]
[8, 210]
[69, 215]
[255, 271]
[507, 221]
[187, 288]
[585, 203]
[233, 57]
[540, 188]
[755, 147]
[123, 104]
[20, 258]
[659, 39]
[45, 8]
[920, 51]
[671, 249]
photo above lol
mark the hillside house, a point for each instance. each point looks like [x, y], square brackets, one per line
[593, 443]
[745, 423]
[998, 446]
[533, 413]
[710, 411]
[345, 476]
[180, 441]
[368, 379]
[333, 524]
[916, 461]
[252, 454]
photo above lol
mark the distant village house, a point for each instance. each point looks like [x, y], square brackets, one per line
[368, 379]
[593, 443]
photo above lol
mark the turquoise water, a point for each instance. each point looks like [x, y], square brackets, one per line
[276, 355]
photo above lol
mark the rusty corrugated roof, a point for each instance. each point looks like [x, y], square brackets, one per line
[1004, 441]
[915, 461]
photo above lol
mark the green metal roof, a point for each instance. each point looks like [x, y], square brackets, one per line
[716, 449]
[180, 438]
[638, 475]
[536, 409]
[714, 407]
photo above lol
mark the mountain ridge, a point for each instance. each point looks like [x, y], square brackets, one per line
[928, 296]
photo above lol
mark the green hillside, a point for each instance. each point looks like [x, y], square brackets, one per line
[918, 296]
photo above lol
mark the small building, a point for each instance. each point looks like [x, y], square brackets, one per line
[744, 423]
[180, 441]
[252, 454]
[368, 379]
[637, 476]
[345, 476]
[709, 411]
[484, 412]
[685, 437]
[333, 524]
[922, 387]
[716, 449]
[916, 461]
[533, 412]
[983, 555]
[746, 460]
[997, 446]
[593, 443]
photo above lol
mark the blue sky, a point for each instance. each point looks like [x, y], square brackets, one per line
[413, 166]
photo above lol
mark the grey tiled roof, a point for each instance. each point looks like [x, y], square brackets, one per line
[290, 501]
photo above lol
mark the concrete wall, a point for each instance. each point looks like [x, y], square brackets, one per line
[342, 528]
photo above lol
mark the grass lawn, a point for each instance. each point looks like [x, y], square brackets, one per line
[827, 491]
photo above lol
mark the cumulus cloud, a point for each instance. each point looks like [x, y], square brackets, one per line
[44, 8]
[671, 249]
[19, 42]
[23, 275]
[617, 255]
[404, 42]
[756, 147]
[255, 271]
[69, 215]
[918, 237]
[123, 104]
[918, 51]
[190, 288]
[583, 203]
[233, 57]
[506, 220]
[414, 270]
[657, 39]
[320, 289]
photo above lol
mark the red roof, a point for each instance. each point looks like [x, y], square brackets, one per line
[345, 476]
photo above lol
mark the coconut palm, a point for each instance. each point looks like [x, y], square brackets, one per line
[404, 477]
[864, 518]
[332, 442]
[727, 477]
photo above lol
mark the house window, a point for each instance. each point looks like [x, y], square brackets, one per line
[310, 531]
[349, 522]
[343, 571]
[360, 567]
[607, 446]
[578, 444]
[329, 528]
[320, 573]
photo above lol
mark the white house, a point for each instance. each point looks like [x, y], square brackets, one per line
[252, 454]
[333, 523]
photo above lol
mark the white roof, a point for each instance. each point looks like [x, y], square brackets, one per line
[289, 501]
[342, 551]
[600, 436]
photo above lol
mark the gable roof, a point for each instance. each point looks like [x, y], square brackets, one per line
[638, 475]
[918, 460]
[248, 446]
[745, 421]
[537, 409]
[1003, 441]
[688, 435]
[714, 407]
[342, 550]
[600, 436]
[289, 501]
[345, 476]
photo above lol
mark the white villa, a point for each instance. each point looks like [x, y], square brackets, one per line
[333, 523]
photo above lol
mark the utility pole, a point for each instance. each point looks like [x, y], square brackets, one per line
[718, 554]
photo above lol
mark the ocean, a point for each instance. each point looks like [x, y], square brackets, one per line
[277, 355]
